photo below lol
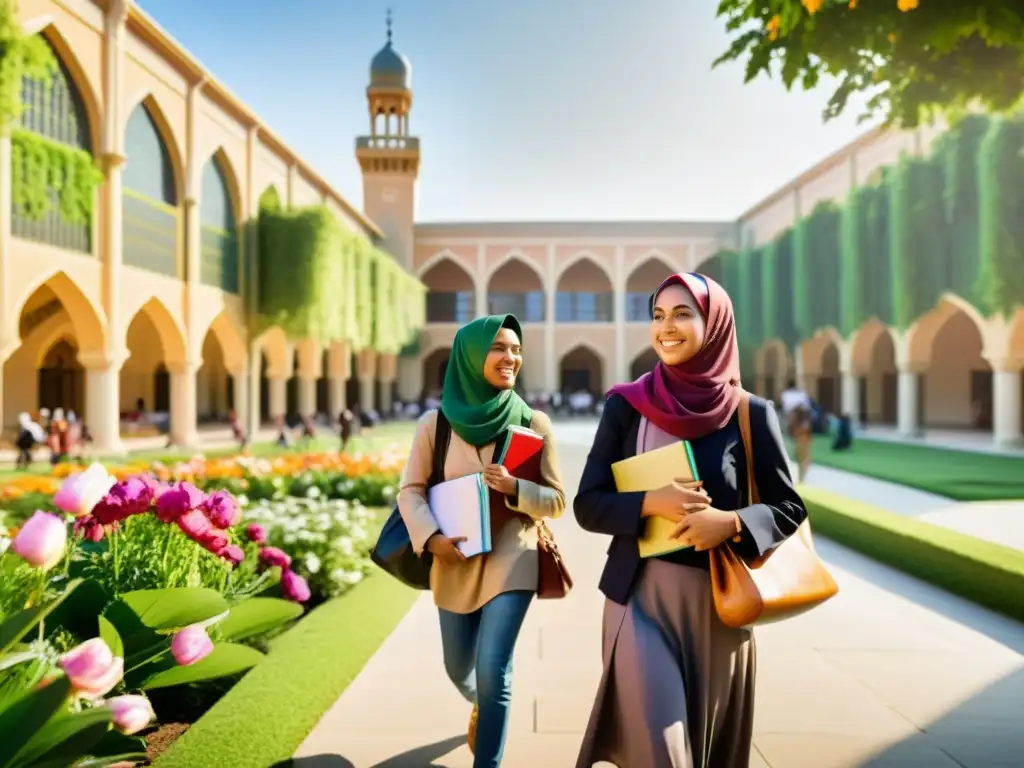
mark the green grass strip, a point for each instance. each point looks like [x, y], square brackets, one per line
[986, 573]
[269, 713]
[960, 475]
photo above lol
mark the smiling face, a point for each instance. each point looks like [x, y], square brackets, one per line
[678, 327]
[504, 360]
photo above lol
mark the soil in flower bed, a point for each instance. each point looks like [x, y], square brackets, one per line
[160, 740]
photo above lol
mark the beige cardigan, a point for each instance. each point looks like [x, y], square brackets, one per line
[512, 562]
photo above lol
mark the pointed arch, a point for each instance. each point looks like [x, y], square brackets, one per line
[641, 280]
[274, 345]
[451, 291]
[169, 332]
[154, 162]
[81, 126]
[583, 256]
[583, 366]
[921, 335]
[643, 362]
[583, 292]
[220, 261]
[87, 319]
[445, 254]
[523, 291]
[231, 343]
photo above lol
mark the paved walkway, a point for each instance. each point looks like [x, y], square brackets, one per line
[892, 672]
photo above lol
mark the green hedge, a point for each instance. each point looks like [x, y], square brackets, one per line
[983, 572]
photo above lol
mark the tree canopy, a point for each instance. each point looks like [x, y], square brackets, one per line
[912, 59]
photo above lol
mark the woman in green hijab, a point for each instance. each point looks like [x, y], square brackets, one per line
[483, 600]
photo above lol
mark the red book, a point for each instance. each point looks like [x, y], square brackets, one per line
[521, 454]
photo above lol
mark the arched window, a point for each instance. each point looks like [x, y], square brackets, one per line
[219, 260]
[55, 111]
[150, 216]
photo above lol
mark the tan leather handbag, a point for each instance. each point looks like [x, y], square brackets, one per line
[787, 581]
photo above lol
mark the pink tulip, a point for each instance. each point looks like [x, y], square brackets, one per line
[190, 645]
[130, 714]
[294, 587]
[222, 509]
[178, 501]
[42, 540]
[81, 491]
[92, 668]
[232, 553]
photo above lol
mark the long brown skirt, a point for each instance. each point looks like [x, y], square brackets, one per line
[678, 685]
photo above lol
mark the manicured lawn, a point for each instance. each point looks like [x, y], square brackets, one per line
[269, 713]
[961, 475]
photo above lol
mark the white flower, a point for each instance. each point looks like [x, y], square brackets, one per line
[353, 577]
[312, 563]
[5, 543]
[344, 545]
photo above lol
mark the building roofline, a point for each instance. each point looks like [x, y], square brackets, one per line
[179, 56]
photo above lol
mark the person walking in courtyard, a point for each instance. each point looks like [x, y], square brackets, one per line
[482, 600]
[798, 410]
[678, 685]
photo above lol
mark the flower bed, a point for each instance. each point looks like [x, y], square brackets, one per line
[177, 576]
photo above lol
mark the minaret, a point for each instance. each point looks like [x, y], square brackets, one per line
[389, 156]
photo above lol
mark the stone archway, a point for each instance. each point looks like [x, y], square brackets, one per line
[955, 386]
[581, 368]
[643, 363]
[224, 358]
[55, 315]
[773, 369]
[516, 288]
[584, 294]
[821, 369]
[640, 284]
[451, 293]
[156, 349]
[434, 366]
[873, 362]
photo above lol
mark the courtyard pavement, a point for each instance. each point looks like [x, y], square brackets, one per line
[891, 673]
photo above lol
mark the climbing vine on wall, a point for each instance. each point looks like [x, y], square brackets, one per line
[21, 56]
[917, 237]
[816, 268]
[42, 170]
[1001, 211]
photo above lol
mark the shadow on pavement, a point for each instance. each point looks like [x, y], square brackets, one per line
[420, 757]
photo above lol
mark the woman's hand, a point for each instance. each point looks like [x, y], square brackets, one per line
[497, 478]
[704, 527]
[670, 501]
[444, 548]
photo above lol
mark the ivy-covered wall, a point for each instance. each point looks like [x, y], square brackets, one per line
[318, 280]
[950, 221]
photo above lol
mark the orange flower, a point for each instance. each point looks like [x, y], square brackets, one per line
[852, 5]
[907, 5]
[773, 28]
[892, 37]
[812, 6]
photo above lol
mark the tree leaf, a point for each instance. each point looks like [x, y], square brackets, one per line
[27, 715]
[256, 616]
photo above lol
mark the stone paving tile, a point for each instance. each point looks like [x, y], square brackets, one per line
[892, 673]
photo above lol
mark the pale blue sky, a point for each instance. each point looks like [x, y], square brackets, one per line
[526, 109]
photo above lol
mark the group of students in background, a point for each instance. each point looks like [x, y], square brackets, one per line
[63, 435]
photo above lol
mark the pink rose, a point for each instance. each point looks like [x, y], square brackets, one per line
[198, 527]
[177, 501]
[190, 645]
[232, 553]
[222, 509]
[256, 533]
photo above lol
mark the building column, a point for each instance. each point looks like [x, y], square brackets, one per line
[908, 403]
[9, 337]
[102, 404]
[336, 396]
[240, 395]
[550, 293]
[278, 397]
[1006, 405]
[410, 378]
[621, 359]
[366, 372]
[251, 417]
[387, 370]
[183, 403]
[307, 396]
[850, 396]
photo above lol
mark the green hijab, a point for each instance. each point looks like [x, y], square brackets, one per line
[478, 411]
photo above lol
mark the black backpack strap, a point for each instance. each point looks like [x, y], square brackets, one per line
[442, 438]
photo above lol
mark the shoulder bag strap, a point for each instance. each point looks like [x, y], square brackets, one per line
[746, 437]
[442, 439]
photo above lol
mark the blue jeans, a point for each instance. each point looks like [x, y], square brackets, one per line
[478, 650]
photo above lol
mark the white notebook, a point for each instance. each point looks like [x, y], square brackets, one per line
[462, 508]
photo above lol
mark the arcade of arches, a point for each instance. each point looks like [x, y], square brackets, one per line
[952, 370]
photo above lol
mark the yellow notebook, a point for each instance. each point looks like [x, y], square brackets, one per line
[650, 471]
